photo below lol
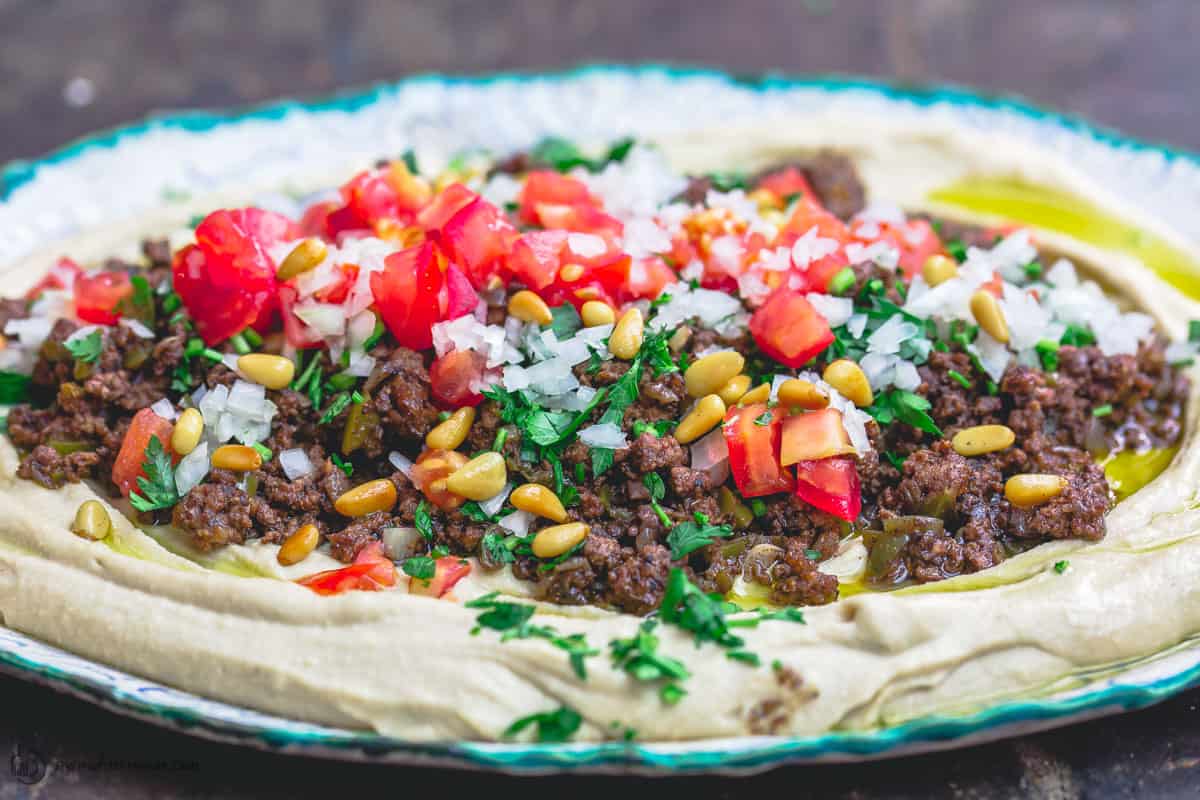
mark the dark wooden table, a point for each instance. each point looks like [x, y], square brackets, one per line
[67, 68]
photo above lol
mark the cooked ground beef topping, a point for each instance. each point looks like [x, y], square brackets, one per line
[928, 512]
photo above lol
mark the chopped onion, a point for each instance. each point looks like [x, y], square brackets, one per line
[606, 434]
[32, 332]
[164, 409]
[296, 464]
[401, 462]
[710, 450]
[138, 328]
[496, 502]
[191, 469]
[517, 522]
[247, 399]
[325, 318]
[361, 365]
[399, 543]
[835, 310]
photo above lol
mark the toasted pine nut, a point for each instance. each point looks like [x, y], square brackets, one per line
[759, 394]
[734, 389]
[273, 372]
[980, 439]
[297, 546]
[596, 313]
[304, 256]
[528, 307]
[92, 521]
[558, 539]
[939, 269]
[986, 310]
[186, 434]
[708, 374]
[706, 415]
[452, 432]
[236, 457]
[480, 478]
[571, 272]
[367, 498]
[799, 393]
[1025, 491]
[537, 499]
[850, 381]
[679, 339]
[626, 338]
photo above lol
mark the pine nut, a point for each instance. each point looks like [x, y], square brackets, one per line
[759, 394]
[799, 393]
[452, 432]
[850, 381]
[188, 429]
[537, 499]
[596, 313]
[273, 372]
[986, 310]
[939, 269]
[92, 521]
[1025, 491]
[706, 415]
[297, 546]
[626, 338]
[528, 307]
[557, 539]
[708, 374]
[734, 389]
[236, 457]
[571, 272]
[481, 478]
[304, 256]
[679, 339]
[980, 439]
[367, 498]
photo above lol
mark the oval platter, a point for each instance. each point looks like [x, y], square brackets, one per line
[122, 173]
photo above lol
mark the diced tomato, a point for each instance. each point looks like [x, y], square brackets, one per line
[545, 187]
[390, 192]
[536, 257]
[315, 220]
[407, 294]
[448, 571]
[371, 571]
[227, 279]
[786, 182]
[810, 214]
[97, 295]
[299, 335]
[461, 298]
[789, 329]
[62, 275]
[579, 218]
[813, 435]
[452, 376]
[754, 450]
[648, 277]
[445, 204]
[832, 485]
[429, 473]
[128, 466]
[916, 241]
[345, 220]
[478, 238]
[337, 291]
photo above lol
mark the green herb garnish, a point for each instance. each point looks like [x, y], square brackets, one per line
[551, 726]
[513, 621]
[87, 348]
[906, 407]
[687, 537]
[959, 378]
[420, 567]
[1102, 411]
[423, 522]
[566, 321]
[14, 387]
[157, 488]
[1061, 566]
[344, 466]
[639, 656]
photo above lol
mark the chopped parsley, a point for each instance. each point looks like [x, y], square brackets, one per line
[1047, 350]
[653, 353]
[14, 387]
[1102, 411]
[344, 466]
[538, 426]
[959, 378]
[686, 607]
[420, 567]
[660, 428]
[1193, 330]
[139, 303]
[473, 511]
[895, 459]
[687, 537]
[639, 656]
[1033, 270]
[906, 407]
[498, 548]
[563, 155]
[550, 726]
[87, 348]
[1061, 566]
[654, 485]
[566, 321]
[1077, 336]
[957, 249]
[513, 621]
[423, 522]
[157, 488]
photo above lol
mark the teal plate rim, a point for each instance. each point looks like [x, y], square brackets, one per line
[70, 673]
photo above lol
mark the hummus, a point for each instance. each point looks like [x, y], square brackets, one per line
[226, 626]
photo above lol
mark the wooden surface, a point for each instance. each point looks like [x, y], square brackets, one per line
[68, 68]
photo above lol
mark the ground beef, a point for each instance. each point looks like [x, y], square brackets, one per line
[638, 582]
[46, 467]
[649, 453]
[402, 398]
[215, 514]
[802, 583]
[345, 544]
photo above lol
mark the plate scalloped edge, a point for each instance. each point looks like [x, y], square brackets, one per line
[183, 154]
